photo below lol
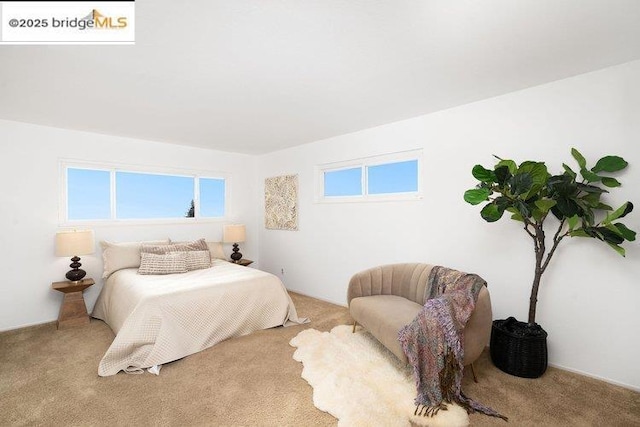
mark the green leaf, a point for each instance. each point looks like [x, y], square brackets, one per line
[517, 217]
[522, 208]
[545, 204]
[610, 182]
[591, 200]
[579, 233]
[617, 248]
[579, 158]
[603, 206]
[537, 214]
[569, 171]
[567, 206]
[573, 221]
[584, 211]
[588, 216]
[491, 212]
[614, 229]
[562, 185]
[619, 213]
[482, 174]
[510, 164]
[520, 183]
[503, 202]
[476, 196]
[628, 234]
[590, 188]
[610, 164]
[502, 174]
[610, 234]
[589, 176]
[539, 174]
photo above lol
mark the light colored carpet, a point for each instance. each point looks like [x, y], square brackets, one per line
[361, 383]
[50, 378]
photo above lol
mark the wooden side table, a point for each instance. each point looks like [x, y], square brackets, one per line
[73, 311]
[244, 262]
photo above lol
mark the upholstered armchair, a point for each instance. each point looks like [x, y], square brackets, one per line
[386, 298]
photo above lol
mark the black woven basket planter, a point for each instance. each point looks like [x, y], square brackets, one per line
[519, 349]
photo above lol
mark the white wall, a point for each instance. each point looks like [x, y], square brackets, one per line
[29, 180]
[589, 297]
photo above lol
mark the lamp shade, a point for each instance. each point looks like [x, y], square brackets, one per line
[234, 233]
[75, 242]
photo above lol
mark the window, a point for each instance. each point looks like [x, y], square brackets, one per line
[88, 194]
[343, 182]
[398, 177]
[389, 177]
[212, 197]
[111, 194]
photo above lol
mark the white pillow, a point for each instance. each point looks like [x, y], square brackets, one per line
[216, 250]
[169, 263]
[116, 256]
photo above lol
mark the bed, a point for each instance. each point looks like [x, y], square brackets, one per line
[159, 319]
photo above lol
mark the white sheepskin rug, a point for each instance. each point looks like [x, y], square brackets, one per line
[361, 383]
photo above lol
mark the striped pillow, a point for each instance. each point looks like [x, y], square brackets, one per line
[173, 262]
[197, 260]
[198, 255]
[197, 245]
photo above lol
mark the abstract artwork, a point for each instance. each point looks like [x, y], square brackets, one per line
[281, 202]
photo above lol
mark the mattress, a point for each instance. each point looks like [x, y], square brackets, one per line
[159, 319]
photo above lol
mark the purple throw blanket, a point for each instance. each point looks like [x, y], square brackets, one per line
[433, 341]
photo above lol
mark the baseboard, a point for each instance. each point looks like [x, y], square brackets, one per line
[29, 326]
[341, 304]
[596, 377]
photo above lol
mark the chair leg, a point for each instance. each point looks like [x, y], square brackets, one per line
[473, 372]
[354, 327]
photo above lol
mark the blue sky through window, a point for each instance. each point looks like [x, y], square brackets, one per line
[88, 194]
[140, 195]
[211, 197]
[344, 182]
[384, 178]
[398, 177]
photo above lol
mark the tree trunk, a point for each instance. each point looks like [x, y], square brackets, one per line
[533, 301]
[540, 250]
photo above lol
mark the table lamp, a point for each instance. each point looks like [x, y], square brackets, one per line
[233, 234]
[71, 244]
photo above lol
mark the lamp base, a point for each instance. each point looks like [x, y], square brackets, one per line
[236, 255]
[76, 273]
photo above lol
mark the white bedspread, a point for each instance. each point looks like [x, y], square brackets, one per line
[158, 319]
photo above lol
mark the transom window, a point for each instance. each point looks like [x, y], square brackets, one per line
[95, 193]
[389, 177]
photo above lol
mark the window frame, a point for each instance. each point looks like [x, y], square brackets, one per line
[113, 168]
[364, 163]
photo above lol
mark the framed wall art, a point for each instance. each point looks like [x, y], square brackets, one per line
[281, 202]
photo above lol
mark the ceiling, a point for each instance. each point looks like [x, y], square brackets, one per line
[255, 76]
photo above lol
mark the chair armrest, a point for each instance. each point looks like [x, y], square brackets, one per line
[477, 331]
[359, 286]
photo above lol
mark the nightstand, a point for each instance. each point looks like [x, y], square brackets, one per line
[73, 311]
[244, 262]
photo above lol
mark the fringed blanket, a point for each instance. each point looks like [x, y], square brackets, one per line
[433, 341]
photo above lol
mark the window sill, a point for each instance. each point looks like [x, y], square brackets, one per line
[371, 198]
[138, 222]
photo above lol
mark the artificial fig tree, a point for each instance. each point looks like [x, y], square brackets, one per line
[530, 193]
